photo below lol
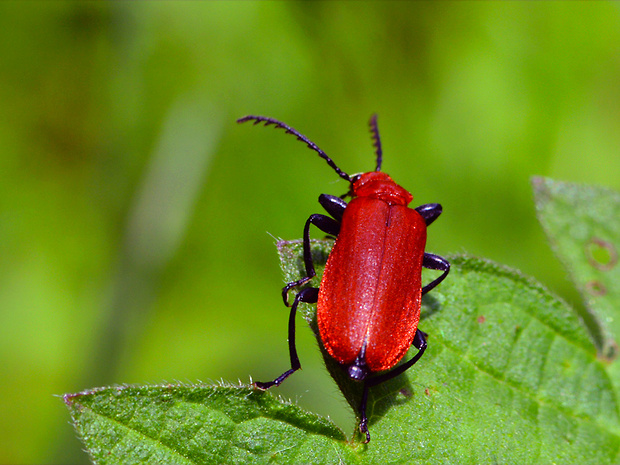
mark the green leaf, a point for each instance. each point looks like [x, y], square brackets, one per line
[184, 424]
[510, 376]
[582, 224]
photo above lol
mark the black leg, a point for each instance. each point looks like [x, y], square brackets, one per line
[309, 295]
[429, 212]
[435, 262]
[333, 205]
[364, 420]
[325, 224]
[419, 342]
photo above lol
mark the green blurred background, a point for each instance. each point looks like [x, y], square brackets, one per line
[137, 220]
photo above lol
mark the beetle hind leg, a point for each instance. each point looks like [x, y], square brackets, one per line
[419, 342]
[363, 426]
[309, 295]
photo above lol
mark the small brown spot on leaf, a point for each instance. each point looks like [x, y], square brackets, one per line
[596, 288]
[610, 354]
[481, 319]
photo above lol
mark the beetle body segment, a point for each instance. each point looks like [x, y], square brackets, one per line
[371, 290]
[378, 185]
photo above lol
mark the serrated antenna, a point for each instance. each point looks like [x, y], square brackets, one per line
[374, 131]
[289, 130]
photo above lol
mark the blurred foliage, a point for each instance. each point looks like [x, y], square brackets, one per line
[134, 212]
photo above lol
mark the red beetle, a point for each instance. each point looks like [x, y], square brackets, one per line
[368, 303]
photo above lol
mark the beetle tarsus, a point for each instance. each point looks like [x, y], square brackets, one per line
[275, 382]
[364, 430]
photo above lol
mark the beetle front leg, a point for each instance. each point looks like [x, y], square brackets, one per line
[309, 295]
[325, 224]
[435, 262]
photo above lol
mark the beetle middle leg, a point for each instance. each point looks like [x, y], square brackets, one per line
[309, 295]
[435, 262]
[419, 342]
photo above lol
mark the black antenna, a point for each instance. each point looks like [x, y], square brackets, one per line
[301, 137]
[374, 131]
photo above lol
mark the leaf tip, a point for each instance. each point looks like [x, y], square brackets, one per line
[69, 398]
